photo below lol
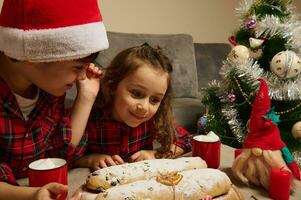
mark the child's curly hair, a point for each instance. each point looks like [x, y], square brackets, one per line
[125, 63]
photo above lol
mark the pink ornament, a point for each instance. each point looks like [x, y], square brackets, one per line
[251, 23]
[231, 97]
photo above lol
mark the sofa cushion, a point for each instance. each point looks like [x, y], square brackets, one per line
[186, 111]
[178, 47]
[209, 59]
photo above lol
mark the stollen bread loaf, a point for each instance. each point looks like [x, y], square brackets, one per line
[105, 178]
[192, 185]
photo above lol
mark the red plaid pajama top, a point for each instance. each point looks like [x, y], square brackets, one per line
[47, 133]
[107, 136]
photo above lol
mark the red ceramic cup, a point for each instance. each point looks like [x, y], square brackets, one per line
[209, 151]
[47, 170]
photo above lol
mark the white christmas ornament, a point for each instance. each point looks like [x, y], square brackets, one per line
[286, 64]
[296, 130]
[239, 54]
[255, 43]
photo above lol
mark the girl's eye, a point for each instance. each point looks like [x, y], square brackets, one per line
[136, 94]
[155, 100]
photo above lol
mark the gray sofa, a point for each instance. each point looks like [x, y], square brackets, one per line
[194, 66]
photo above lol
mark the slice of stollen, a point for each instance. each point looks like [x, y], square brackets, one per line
[192, 186]
[127, 173]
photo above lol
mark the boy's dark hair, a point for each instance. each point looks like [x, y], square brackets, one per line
[125, 63]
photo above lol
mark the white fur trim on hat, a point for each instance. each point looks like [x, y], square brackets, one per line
[50, 45]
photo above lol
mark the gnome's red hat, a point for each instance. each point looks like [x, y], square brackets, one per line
[263, 133]
[51, 30]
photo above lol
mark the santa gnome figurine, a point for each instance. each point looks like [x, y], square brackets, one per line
[263, 150]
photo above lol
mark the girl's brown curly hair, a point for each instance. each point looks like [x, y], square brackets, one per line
[125, 63]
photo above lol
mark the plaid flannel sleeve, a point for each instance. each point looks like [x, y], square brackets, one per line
[183, 139]
[6, 174]
[62, 141]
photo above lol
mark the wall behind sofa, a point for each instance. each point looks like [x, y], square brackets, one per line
[206, 21]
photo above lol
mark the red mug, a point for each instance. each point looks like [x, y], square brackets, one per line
[209, 151]
[47, 170]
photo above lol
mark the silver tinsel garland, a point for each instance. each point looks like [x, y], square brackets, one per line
[243, 9]
[249, 71]
[290, 30]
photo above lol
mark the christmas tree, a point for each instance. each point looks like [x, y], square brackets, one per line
[267, 44]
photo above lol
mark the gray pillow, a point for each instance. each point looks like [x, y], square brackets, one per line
[178, 47]
[209, 60]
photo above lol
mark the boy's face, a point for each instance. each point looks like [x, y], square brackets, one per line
[138, 96]
[56, 77]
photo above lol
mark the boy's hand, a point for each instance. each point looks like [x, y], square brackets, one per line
[88, 84]
[102, 160]
[143, 155]
[51, 191]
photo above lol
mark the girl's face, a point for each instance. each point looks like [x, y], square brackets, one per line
[139, 95]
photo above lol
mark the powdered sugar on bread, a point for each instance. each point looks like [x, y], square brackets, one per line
[193, 185]
[143, 170]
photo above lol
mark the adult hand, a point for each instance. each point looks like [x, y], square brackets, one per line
[51, 191]
[143, 155]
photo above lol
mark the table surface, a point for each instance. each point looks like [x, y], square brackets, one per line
[77, 177]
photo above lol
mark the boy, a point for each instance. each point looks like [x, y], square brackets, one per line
[44, 46]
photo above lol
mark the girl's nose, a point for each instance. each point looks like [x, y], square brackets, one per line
[142, 106]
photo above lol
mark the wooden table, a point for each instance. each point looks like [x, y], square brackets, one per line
[77, 177]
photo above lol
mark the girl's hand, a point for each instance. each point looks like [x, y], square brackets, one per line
[143, 155]
[89, 83]
[51, 191]
[102, 160]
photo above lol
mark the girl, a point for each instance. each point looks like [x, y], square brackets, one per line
[132, 110]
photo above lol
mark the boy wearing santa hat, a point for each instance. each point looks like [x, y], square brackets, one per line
[44, 46]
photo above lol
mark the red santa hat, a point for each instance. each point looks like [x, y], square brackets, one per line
[51, 30]
[263, 132]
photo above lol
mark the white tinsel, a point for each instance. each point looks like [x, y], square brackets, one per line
[243, 8]
[249, 72]
[283, 89]
[279, 89]
[290, 30]
[235, 124]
